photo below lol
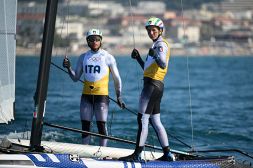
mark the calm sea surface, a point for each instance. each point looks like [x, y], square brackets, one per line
[216, 112]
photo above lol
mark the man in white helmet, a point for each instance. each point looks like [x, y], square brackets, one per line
[155, 68]
[95, 65]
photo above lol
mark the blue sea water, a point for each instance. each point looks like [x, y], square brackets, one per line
[207, 104]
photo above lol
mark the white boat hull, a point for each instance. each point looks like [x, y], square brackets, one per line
[87, 151]
[66, 155]
[68, 161]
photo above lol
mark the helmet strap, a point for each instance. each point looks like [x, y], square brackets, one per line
[157, 38]
[160, 31]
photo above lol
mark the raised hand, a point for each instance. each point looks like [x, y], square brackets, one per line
[135, 54]
[152, 53]
[66, 63]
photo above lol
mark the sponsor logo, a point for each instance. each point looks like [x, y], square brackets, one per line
[94, 59]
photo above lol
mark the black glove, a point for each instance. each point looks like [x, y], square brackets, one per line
[152, 53]
[121, 103]
[66, 63]
[135, 53]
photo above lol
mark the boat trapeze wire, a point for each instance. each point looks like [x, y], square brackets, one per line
[190, 153]
[188, 79]
[115, 138]
[224, 150]
[132, 22]
[129, 110]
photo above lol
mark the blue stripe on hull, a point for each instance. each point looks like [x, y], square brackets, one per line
[179, 164]
[63, 161]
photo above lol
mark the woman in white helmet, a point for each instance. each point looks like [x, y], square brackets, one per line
[95, 65]
[155, 68]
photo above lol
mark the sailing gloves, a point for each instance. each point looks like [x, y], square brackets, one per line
[121, 103]
[135, 54]
[152, 53]
[66, 63]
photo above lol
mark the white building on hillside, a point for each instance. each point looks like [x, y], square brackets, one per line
[191, 33]
[75, 30]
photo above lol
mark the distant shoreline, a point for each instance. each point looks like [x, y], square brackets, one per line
[127, 51]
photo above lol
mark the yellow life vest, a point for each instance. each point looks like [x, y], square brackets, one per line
[96, 73]
[152, 70]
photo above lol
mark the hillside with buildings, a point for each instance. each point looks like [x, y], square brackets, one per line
[216, 28]
[173, 4]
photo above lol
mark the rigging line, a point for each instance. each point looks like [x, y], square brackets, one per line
[226, 150]
[110, 123]
[129, 110]
[188, 75]
[67, 26]
[125, 107]
[174, 137]
[61, 30]
[112, 138]
[133, 35]
[83, 82]
[64, 27]
[152, 126]
[98, 27]
[132, 21]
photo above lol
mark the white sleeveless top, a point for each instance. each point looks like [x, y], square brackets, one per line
[96, 67]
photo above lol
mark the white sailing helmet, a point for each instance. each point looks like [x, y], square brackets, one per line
[94, 32]
[154, 21]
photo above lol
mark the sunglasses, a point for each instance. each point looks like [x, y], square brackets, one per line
[93, 39]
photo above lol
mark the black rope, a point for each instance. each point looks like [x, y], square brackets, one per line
[152, 126]
[113, 138]
[150, 146]
[129, 110]
[225, 150]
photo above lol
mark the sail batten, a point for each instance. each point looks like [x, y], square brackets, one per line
[8, 13]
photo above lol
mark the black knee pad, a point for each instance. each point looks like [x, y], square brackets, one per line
[139, 119]
[102, 127]
[85, 127]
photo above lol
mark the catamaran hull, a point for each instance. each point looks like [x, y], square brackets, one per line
[83, 151]
[68, 161]
[67, 155]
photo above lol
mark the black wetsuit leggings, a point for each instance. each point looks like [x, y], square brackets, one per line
[151, 96]
[94, 105]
